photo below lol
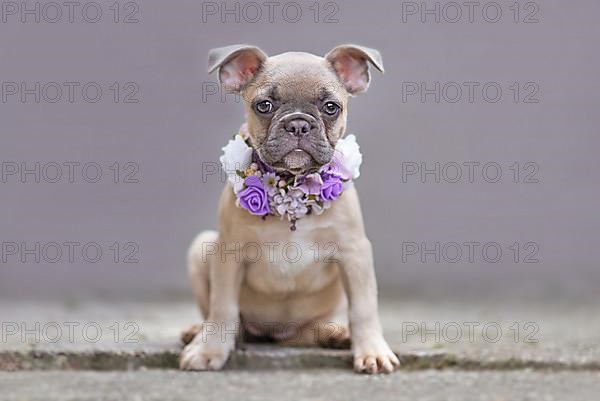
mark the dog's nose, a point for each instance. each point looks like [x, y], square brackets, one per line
[297, 127]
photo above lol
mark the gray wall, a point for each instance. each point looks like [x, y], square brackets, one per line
[176, 126]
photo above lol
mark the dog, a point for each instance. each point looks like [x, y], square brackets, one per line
[296, 106]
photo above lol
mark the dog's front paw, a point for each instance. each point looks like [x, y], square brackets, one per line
[204, 354]
[374, 356]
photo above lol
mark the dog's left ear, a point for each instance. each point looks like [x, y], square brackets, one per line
[350, 63]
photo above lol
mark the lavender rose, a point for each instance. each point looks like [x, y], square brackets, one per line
[332, 187]
[253, 197]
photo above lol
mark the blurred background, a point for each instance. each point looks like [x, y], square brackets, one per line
[480, 142]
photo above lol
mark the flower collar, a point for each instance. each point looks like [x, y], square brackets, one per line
[262, 192]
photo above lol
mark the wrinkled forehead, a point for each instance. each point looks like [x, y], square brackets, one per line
[295, 76]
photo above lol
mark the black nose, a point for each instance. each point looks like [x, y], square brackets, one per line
[297, 127]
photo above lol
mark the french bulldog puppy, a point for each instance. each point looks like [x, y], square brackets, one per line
[296, 107]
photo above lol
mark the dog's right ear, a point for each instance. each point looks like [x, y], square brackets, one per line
[237, 65]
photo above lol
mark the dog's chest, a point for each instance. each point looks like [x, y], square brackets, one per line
[282, 260]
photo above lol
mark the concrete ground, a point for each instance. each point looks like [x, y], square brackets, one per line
[300, 385]
[450, 351]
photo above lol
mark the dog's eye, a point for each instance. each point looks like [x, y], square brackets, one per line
[330, 108]
[264, 107]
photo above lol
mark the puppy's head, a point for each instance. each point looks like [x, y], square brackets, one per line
[296, 103]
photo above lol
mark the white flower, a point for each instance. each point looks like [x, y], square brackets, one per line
[237, 156]
[347, 154]
[270, 180]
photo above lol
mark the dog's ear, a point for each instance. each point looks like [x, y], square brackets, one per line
[237, 65]
[350, 63]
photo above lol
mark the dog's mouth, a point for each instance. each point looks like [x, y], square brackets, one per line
[297, 143]
[298, 161]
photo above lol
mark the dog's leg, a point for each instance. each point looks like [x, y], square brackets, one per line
[200, 257]
[371, 352]
[216, 286]
[199, 260]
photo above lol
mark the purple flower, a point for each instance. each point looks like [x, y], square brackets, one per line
[336, 167]
[311, 184]
[332, 187]
[254, 196]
